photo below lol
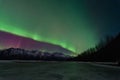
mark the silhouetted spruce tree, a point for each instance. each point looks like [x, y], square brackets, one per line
[107, 50]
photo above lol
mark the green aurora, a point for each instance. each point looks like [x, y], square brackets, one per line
[61, 22]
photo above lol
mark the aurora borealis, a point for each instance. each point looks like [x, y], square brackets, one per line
[75, 25]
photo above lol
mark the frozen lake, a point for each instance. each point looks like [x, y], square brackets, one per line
[57, 71]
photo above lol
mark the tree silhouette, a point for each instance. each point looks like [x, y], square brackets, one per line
[107, 50]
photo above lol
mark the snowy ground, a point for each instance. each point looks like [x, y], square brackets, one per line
[57, 71]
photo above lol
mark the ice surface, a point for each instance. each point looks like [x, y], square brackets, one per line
[56, 71]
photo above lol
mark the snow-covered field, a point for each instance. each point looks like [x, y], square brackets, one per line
[57, 71]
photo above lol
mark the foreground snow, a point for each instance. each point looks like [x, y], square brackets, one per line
[57, 71]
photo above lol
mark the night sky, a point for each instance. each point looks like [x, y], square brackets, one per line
[75, 25]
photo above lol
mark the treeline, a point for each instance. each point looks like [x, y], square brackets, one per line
[21, 54]
[106, 51]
